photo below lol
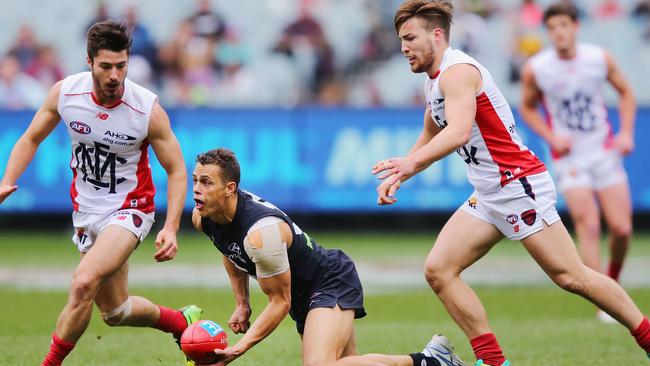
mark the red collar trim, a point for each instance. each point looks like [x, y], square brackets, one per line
[435, 75]
[117, 103]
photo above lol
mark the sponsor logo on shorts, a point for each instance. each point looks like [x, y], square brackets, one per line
[472, 202]
[137, 220]
[80, 127]
[512, 219]
[529, 216]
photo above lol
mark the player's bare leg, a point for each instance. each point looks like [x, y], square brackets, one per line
[120, 309]
[554, 251]
[112, 248]
[456, 248]
[616, 205]
[585, 215]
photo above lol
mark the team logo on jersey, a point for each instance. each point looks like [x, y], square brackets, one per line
[512, 219]
[80, 127]
[96, 162]
[529, 216]
[137, 220]
[101, 115]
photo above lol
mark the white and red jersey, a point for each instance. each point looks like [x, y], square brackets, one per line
[110, 164]
[573, 96]
[494, 154]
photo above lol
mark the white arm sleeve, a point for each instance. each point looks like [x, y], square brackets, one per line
[265, 247]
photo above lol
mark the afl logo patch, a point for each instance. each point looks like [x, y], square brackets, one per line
[80, 127]
[529, 217]
[137, 220]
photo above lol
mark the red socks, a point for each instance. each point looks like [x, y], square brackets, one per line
[171, 321]
[642, 335]
[614, 270]
[59, 349]
[487, 348]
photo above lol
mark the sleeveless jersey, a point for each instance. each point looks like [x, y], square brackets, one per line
[494, 154]
[573, 95]
[110, 164]
[307, 260]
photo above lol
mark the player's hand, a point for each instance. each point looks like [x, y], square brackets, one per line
[166, 245]
[624, 142]
[386, 192]
[394, 169]
[561, 144]
[6, 190]
[240, 319]
[226, 356]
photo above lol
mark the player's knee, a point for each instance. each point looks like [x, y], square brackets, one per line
[621, 230]
[83, 287]
[436, 275]
[588, 224]
[571, 282]
[117, 316]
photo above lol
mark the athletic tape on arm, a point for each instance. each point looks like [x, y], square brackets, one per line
[265, 247]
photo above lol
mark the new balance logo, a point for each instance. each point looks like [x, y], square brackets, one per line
[103, 116]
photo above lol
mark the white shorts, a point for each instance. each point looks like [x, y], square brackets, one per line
[518, 209]
[88, 226]
[596, 170]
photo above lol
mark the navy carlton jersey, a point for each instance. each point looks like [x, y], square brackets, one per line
[307, 260]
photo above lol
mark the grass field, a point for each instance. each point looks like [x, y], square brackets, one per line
[537, 325]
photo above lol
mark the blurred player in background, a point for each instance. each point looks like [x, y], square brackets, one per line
[514, 194]
[569, 79]
[318, 287]
[111, 122]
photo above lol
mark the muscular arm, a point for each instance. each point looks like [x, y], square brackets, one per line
[531, 96]
[276, 287]
[429, 130]
[459, 85]
[626, 105]
[44, 121]
[168, 152]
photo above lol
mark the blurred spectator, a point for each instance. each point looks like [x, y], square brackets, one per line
[18, 90]
[304, 41]
[608, 9]
[482, 8]
[642, 12]
[25, 47]
[45, 67]
[527, 38]
[207, 23]
[142, 44]
[471, 34]
[101, 14]
[530, 14]
[380, 42]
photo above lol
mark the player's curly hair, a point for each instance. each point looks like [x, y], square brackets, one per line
[437, 14]
[224, 159]
[108, 35]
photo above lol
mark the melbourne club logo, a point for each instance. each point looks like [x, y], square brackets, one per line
[98, 166]
[529, 216]
[137, 220]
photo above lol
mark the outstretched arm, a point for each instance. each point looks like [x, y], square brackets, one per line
[44, 121]
[168, 152]
[626, 106]
[531, 95]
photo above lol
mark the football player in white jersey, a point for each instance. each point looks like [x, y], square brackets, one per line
[111, 121]
[514, 195]
[568, 79]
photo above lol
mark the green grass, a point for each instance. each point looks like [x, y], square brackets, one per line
[56, 249]
[535, 326]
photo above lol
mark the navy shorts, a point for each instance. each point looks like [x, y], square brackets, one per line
[340, 286]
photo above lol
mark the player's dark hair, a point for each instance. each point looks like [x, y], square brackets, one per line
[224, 159]
[437, 14]
[561, 9]
[108, 35]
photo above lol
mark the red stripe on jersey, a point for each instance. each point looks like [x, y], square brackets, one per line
[504, 151]
[73, 187]
[142, 196]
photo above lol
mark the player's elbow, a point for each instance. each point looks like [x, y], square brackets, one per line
[462, 136]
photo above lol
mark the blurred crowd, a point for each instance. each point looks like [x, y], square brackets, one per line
[210, 62]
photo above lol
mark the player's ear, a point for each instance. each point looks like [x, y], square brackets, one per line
[89, 62]
[231, 188]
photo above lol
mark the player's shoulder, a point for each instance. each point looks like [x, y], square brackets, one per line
[542, 57]
[590, 51]
[138, 97]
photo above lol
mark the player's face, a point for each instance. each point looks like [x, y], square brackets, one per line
[210, 191]
[417, 44]
[562, 31]
[109, 70]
